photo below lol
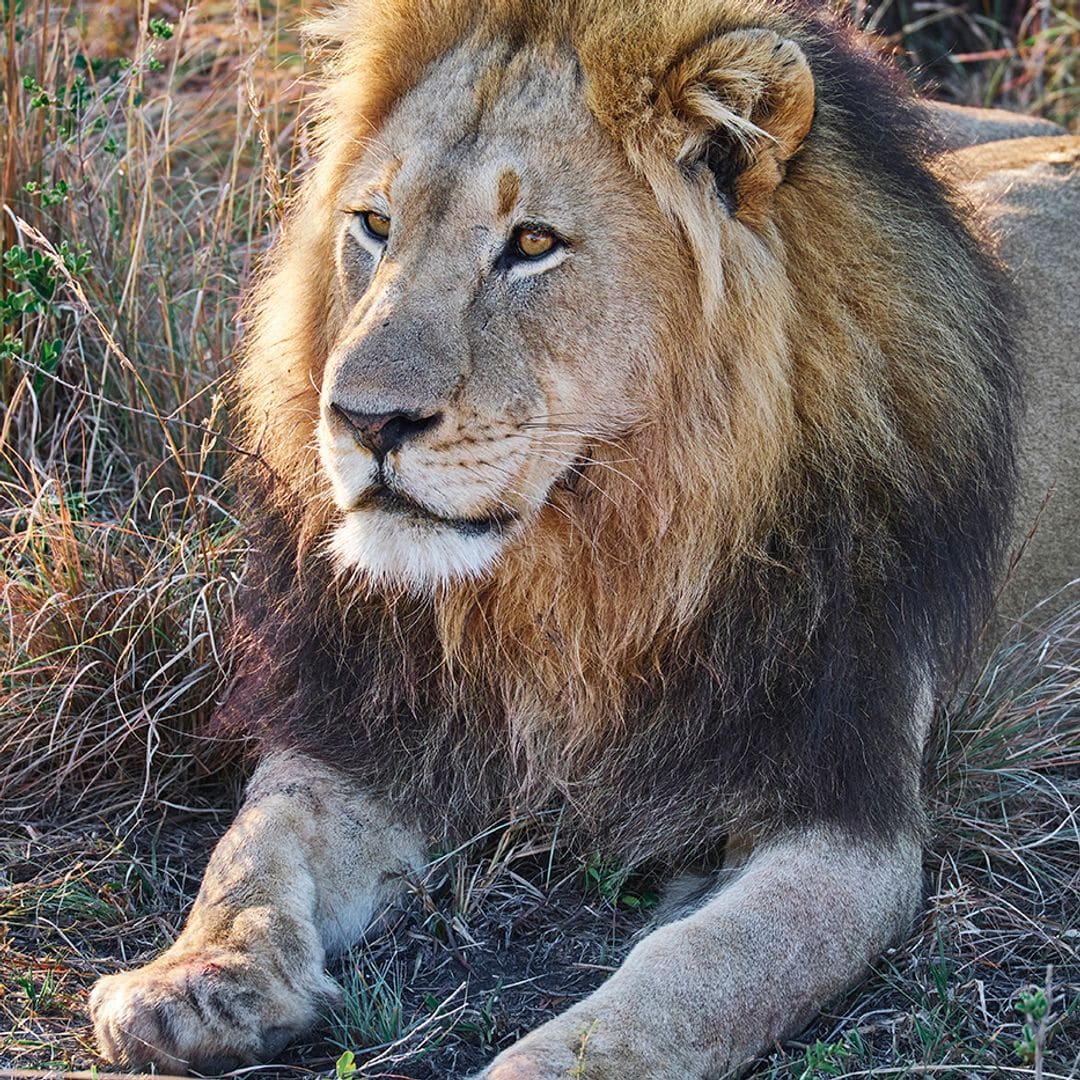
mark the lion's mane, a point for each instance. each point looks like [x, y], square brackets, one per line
[730, 632]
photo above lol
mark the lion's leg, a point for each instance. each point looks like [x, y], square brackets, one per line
[300, 873]
[699, 996]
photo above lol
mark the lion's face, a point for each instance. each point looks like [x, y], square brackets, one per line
[491, 243]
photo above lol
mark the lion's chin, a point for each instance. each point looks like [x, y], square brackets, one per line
[413, 552]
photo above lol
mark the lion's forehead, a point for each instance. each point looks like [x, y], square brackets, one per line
[479, 114]
[469, 92]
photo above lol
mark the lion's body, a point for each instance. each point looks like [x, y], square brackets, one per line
[960, 127]
[1027, 191]
[841, 363]
[677, 526]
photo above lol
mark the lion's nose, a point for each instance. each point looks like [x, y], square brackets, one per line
[383, 432]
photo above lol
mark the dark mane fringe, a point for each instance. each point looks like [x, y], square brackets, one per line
[789, 701]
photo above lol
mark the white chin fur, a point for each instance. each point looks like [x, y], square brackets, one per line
[398, 550]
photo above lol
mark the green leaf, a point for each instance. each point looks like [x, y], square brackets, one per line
[345, 1066]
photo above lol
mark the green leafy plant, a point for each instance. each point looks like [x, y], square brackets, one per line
[345, 1066]
[41, 996]
[609, 881]
[1034, 1007]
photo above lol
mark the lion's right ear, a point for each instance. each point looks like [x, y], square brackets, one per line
[746, 100]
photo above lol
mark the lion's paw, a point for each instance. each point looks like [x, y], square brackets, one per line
[577, 1044]
[207, 1012]
[529, 1067]
[537, 1057]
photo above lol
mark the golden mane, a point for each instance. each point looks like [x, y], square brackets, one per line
[841, 381]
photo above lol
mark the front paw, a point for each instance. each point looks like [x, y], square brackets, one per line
[555, 1051]
[206, 1011]
[530, 1067]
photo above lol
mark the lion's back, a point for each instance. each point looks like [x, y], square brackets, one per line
[1028, 191]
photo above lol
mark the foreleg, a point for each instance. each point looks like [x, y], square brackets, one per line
[700, 996]
[299, 874]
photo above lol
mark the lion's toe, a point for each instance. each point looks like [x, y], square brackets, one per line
[139, 1021]
[202, 1014]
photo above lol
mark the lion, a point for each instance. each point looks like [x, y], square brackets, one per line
[632, 407]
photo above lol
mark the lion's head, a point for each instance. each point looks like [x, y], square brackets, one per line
[499, 321]
[517, 295]
[615, 340]
[514, 298]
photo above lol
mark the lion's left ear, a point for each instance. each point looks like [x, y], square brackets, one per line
[746, 99]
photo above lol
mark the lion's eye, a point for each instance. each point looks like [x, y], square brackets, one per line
[532, 243]
[375, 224]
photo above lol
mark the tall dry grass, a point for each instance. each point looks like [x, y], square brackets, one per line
[145, 160]
[1018, 54]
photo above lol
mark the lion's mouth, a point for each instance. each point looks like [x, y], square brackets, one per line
[390, 501]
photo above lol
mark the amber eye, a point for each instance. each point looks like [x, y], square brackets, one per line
[531, 243]
[375, 224]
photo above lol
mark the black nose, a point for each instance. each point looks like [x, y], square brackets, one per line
[383, 432]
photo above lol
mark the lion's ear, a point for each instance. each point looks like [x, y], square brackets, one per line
[746, 99]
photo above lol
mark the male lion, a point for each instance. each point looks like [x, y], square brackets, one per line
[664, 403]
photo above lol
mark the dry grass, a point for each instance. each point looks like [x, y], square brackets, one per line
[142, 167]
[141, 173]
[1017, 54]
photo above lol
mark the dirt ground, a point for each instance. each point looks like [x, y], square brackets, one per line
[498, 936]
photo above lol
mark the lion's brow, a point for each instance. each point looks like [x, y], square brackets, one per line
[508, 190]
